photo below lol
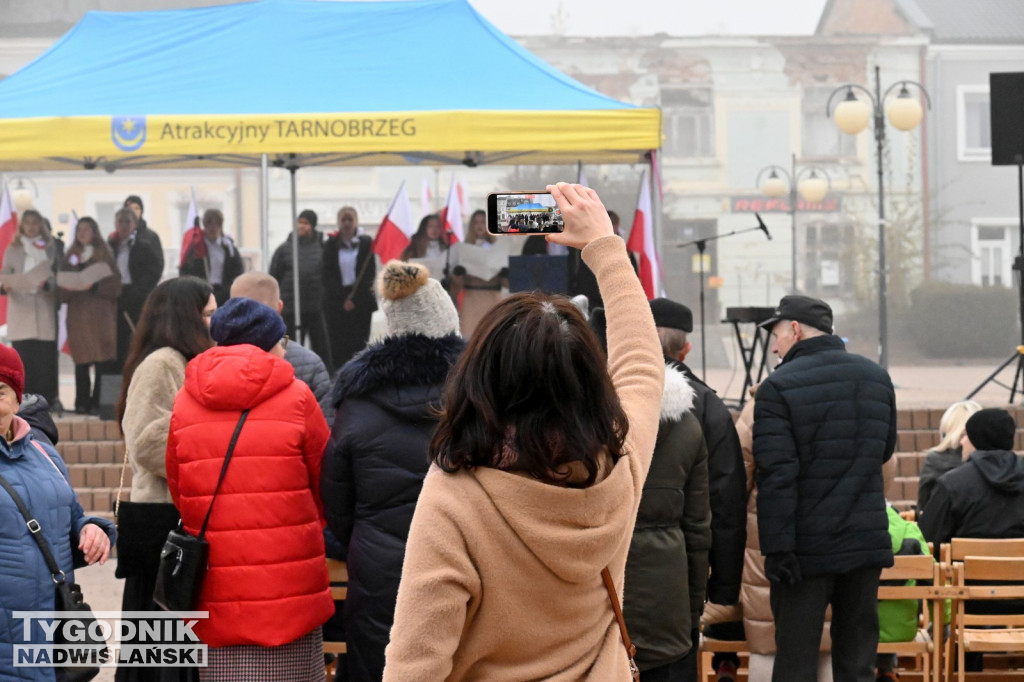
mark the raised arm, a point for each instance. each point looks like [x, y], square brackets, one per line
[634, 352]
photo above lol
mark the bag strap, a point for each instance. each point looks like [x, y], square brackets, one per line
[631, 650]
[223, 471]
[36, 531]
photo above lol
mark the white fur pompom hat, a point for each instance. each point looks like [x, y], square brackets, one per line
[414, 303]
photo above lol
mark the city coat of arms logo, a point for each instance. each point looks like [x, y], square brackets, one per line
[128, 132]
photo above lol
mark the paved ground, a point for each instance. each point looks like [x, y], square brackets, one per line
[916, 387]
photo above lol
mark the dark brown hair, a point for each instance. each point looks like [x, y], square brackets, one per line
[101, 252]
[531, 394]
[172, 317]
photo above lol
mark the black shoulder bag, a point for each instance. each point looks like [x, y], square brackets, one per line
[184, 557]
[67, 597]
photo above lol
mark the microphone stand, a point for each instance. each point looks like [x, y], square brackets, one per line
[701, 245]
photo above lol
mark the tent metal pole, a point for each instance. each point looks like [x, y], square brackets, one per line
[264, 212]
[296, 320]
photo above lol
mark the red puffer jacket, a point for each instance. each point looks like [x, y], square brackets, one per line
[267, 579]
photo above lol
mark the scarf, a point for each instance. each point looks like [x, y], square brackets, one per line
[35, 251]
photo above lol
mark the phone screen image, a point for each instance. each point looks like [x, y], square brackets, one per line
[523, 213]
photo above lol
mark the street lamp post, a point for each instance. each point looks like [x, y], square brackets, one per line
[811, 188]
[851, 117]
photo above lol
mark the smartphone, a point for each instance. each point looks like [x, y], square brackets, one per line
[523, 213]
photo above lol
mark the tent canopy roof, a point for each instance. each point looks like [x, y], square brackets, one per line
[328, 82]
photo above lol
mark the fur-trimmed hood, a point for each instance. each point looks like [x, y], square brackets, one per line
[678, 395]
[396, 361]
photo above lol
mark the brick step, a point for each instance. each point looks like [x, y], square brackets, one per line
[98, 476]
[91, 452]
[929, 418]
[99, 501]
[86, 428]
[909, 463]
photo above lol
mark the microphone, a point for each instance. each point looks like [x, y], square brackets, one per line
[764, 228]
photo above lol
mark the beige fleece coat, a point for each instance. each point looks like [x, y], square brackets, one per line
[147, 419]
[30, 315]
[502, 574]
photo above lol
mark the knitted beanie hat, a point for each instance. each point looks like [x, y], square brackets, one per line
[12, 371]
[414, 303]
[309, 216]
[243, 320]
[991, 429]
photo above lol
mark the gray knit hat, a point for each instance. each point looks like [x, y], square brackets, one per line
[414, 303]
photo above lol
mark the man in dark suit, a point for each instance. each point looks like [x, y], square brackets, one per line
[140, 259]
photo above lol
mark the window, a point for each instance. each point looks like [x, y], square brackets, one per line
[825, 267]
[820, 138]
[689, 122]
[992, 254]
[973, 123]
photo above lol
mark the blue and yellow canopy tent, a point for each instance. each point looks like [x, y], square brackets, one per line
[297, 83]
[307, 83]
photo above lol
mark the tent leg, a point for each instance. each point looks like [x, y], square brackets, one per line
[299, 331]
[264, 213]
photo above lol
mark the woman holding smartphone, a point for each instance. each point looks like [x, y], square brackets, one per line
[538, 462]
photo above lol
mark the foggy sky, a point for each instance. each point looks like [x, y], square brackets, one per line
[648, 17]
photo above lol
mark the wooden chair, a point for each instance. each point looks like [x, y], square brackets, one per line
[953, 553]
[921, 568]
[960, 548]
[709, 647]
[338, 574]
[988, 633]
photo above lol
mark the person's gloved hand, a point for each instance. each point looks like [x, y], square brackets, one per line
[782, 568]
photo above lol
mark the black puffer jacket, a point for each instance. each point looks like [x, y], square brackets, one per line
[824, 423]
[727, 481]
[984, 498]
[936, 465]
[667, 566]
[311, 286]
[373, 470]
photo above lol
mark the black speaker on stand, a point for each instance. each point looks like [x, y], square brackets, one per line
[1006, 106]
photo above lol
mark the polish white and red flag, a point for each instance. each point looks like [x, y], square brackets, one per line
[426, 199]
[397, 228]
[451, 215]
[62, 312]
[641, 241]
[8, 227]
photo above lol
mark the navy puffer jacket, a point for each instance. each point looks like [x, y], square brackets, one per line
[386, 398]
[824, 423]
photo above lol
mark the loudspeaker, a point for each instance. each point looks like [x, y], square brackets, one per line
[1006, 107]
[110, 392]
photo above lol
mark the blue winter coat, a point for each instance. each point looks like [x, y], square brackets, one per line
[25, 583]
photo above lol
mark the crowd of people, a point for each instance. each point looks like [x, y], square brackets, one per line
[495, 491]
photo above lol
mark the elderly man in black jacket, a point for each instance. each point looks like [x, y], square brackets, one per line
[824, 423]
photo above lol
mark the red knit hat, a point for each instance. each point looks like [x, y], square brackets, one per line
[12, 371]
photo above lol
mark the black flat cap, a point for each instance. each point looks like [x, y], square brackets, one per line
[672, 315]
[803, 309]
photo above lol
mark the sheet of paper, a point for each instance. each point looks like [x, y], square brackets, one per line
[435, 264]
[28, 281]
[481, 262]
[84, 279]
